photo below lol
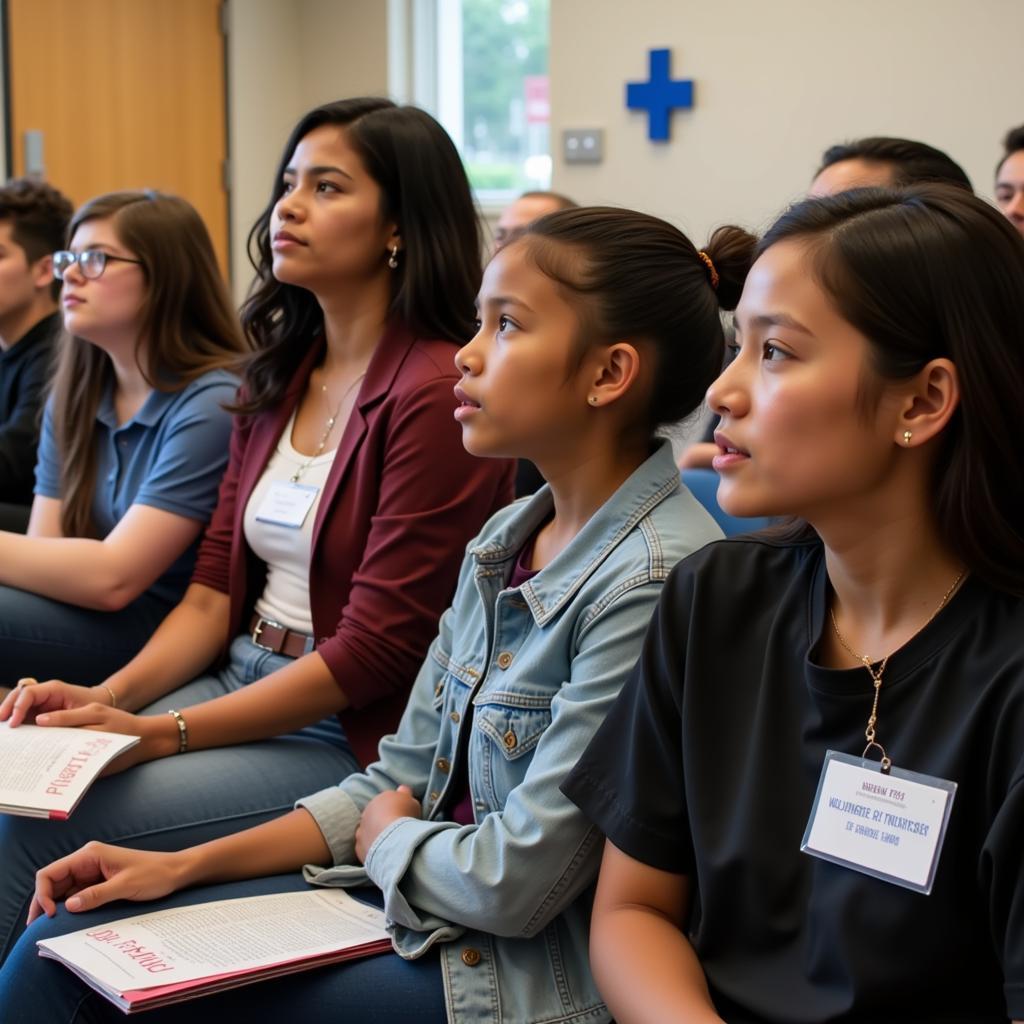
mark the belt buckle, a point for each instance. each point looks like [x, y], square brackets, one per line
[259, 629]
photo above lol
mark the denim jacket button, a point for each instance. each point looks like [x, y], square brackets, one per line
[471, 957]
[433, 796]
[455, 716]
[443, 765]
[504, 659]
[438, 689]
[510, 740]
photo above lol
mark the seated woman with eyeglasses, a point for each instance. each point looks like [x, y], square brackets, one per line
[134, 440]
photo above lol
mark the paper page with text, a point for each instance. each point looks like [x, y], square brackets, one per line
[44, 772]
[168, 955]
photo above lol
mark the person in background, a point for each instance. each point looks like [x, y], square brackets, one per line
[1009, 190]
[133, 444]
[875, 395]
[530, 206]
[596, 327]
[342, 519]
[880, 161]
[34, 220]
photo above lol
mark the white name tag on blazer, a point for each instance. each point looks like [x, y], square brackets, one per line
[287, 504]
[890, 826]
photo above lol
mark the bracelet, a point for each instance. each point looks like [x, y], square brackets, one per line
[182, 730]
[110, 693]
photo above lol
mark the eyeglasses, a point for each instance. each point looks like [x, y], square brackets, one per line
[91, 262]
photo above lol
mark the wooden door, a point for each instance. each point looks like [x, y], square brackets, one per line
[127, 94]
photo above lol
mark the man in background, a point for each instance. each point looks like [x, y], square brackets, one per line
[530, 206]
[33, 224]
[1010, 178]
[881, 161]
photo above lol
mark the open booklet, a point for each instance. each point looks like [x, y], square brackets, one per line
[45, 772]
[168, 956]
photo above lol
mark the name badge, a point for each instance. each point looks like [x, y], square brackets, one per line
[890, 826]
[287, 504]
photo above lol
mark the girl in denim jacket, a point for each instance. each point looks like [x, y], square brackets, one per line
[596, 326]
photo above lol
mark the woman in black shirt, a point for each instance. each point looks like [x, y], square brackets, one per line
[877, 394]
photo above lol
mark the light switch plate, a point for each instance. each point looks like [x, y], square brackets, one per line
[583, 145]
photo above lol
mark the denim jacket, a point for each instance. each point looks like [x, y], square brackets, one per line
[509, 897]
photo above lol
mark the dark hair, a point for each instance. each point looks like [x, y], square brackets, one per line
[424, 189]
[187, 324]
[912, 163]
[39, 216]
[928, 272]
[1013, 142]
[635, 276]
[561, 202]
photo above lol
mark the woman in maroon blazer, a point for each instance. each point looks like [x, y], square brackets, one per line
[342, 517]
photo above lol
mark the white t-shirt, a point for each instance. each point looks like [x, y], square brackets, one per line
[286, 550]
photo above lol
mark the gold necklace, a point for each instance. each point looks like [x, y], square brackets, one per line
[876, 674]
[332, 418]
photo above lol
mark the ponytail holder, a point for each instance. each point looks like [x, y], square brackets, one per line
[712, 273]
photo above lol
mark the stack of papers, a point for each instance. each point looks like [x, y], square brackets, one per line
[140, 963]
[45, 772]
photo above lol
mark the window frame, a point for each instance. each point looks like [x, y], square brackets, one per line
[425, 68]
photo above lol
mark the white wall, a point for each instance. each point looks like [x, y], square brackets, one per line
[344, 49]
[775, 83]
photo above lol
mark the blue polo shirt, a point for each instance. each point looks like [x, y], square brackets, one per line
[170, 455]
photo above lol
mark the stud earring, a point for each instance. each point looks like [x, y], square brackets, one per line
[393, 258]
[593, 399]
[907, 435]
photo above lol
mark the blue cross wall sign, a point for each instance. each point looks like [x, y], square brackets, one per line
[659, 96]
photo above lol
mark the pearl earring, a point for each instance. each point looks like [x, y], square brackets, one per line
[393, 258]
[593, 399]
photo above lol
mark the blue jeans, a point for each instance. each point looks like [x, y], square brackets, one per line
[179, 801]
[384, 989]
[49, 639]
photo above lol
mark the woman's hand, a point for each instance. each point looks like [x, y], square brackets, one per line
[97, 874]
[158, 734]
[29, 699]
[380, 812]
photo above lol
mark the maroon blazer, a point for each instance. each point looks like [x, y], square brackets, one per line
[402, 500]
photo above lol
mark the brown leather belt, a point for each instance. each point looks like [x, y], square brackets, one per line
[278, 639]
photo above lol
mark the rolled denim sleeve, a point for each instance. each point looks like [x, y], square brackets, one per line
[405, 758]
[520, 866]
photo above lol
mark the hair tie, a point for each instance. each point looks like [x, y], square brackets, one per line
[712, 273]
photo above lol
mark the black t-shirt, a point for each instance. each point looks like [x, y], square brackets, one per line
[708, 764]
[24, 370]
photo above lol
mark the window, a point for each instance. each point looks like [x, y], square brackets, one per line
[481, 67]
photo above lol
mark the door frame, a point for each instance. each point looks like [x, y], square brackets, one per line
[226, 169]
